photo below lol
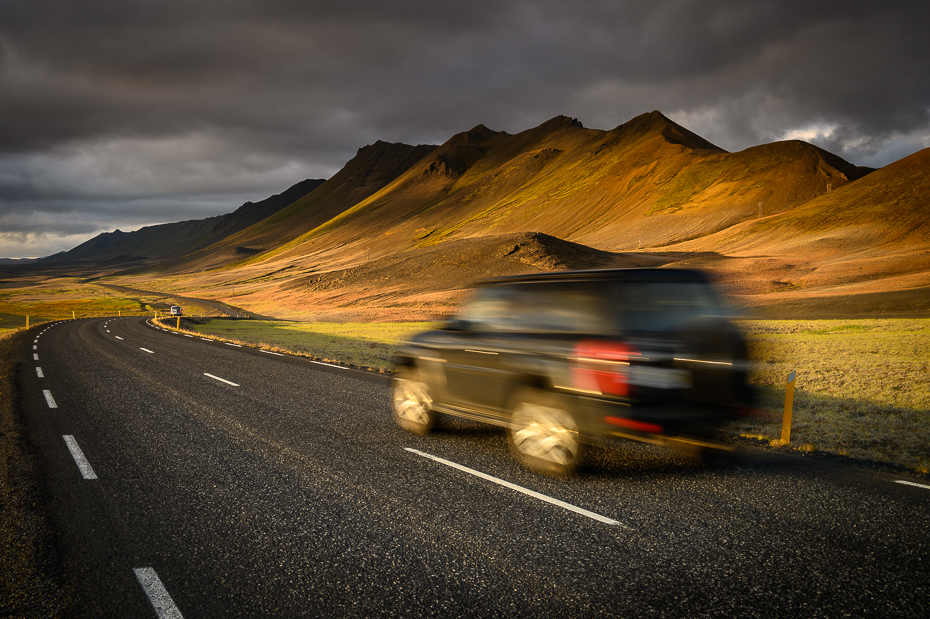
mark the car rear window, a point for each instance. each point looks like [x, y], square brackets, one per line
[662, 306]
[597, 306]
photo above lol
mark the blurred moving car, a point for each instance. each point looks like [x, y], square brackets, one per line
[562, 358]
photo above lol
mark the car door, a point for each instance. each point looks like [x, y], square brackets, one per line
[477, 372]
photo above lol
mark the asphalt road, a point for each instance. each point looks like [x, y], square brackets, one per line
[222, 308]
[198, 479]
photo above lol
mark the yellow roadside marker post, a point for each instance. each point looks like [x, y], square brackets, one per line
[789, 402]
[73, 317]
[179, 323]
[27, 321]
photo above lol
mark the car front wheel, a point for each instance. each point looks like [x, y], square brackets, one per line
[543, 434]
[413, 406]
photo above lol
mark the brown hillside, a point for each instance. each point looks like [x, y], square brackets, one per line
[866, 237]
[421, 282]
[648, 181]
[371, 169]
[649, 187]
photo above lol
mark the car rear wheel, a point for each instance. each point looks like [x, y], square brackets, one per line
[543, 434]
[413, 406]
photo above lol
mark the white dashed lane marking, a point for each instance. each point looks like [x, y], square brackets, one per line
[49, 399]
[118, 337]
[157, 594]
[526, 491]
[39, 372]
[222, 380]
[147, 350]
[79, 459]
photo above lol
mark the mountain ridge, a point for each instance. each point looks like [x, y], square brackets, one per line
[163, 241]
[759, 218]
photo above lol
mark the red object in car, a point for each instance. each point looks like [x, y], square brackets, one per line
[603, 367]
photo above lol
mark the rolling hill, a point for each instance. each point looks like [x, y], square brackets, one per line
[402, 226]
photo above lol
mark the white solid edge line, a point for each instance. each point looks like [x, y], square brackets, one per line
[910, 483]
[156, 593]
[49, 398]
[79, 458]
[526, 491]
[222, 380]
[332, 365]
[39, 372]
[269, 352]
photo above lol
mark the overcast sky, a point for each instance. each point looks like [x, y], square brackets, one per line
[123, 113]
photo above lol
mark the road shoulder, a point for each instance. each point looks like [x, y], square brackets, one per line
[30, 582]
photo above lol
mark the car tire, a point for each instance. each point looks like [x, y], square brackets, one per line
[412, 406]
[544, 434]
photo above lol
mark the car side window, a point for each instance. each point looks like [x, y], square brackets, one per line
[491, 309]
[572, 307]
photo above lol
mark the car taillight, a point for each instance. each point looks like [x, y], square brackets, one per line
[603, 367]
[640, 426]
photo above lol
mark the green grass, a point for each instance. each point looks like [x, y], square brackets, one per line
[12, 322]
[42, 304]
[364, 345]
[862, 387]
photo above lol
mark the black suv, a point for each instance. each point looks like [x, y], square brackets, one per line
[560, 358]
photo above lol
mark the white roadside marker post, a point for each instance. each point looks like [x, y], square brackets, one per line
[789, 402]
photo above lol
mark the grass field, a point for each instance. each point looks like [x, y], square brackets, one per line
[862, 387]
[61, 298]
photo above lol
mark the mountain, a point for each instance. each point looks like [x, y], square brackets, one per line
[647, 183]
[871, 237]
[165, 241]
[373, 167]
[401, 229]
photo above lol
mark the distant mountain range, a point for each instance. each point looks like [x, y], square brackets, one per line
[171, 240]
[772, 220]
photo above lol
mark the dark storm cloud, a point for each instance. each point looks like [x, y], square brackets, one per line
[110, 107]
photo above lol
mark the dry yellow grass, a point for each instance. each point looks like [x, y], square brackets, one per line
[862, 386]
